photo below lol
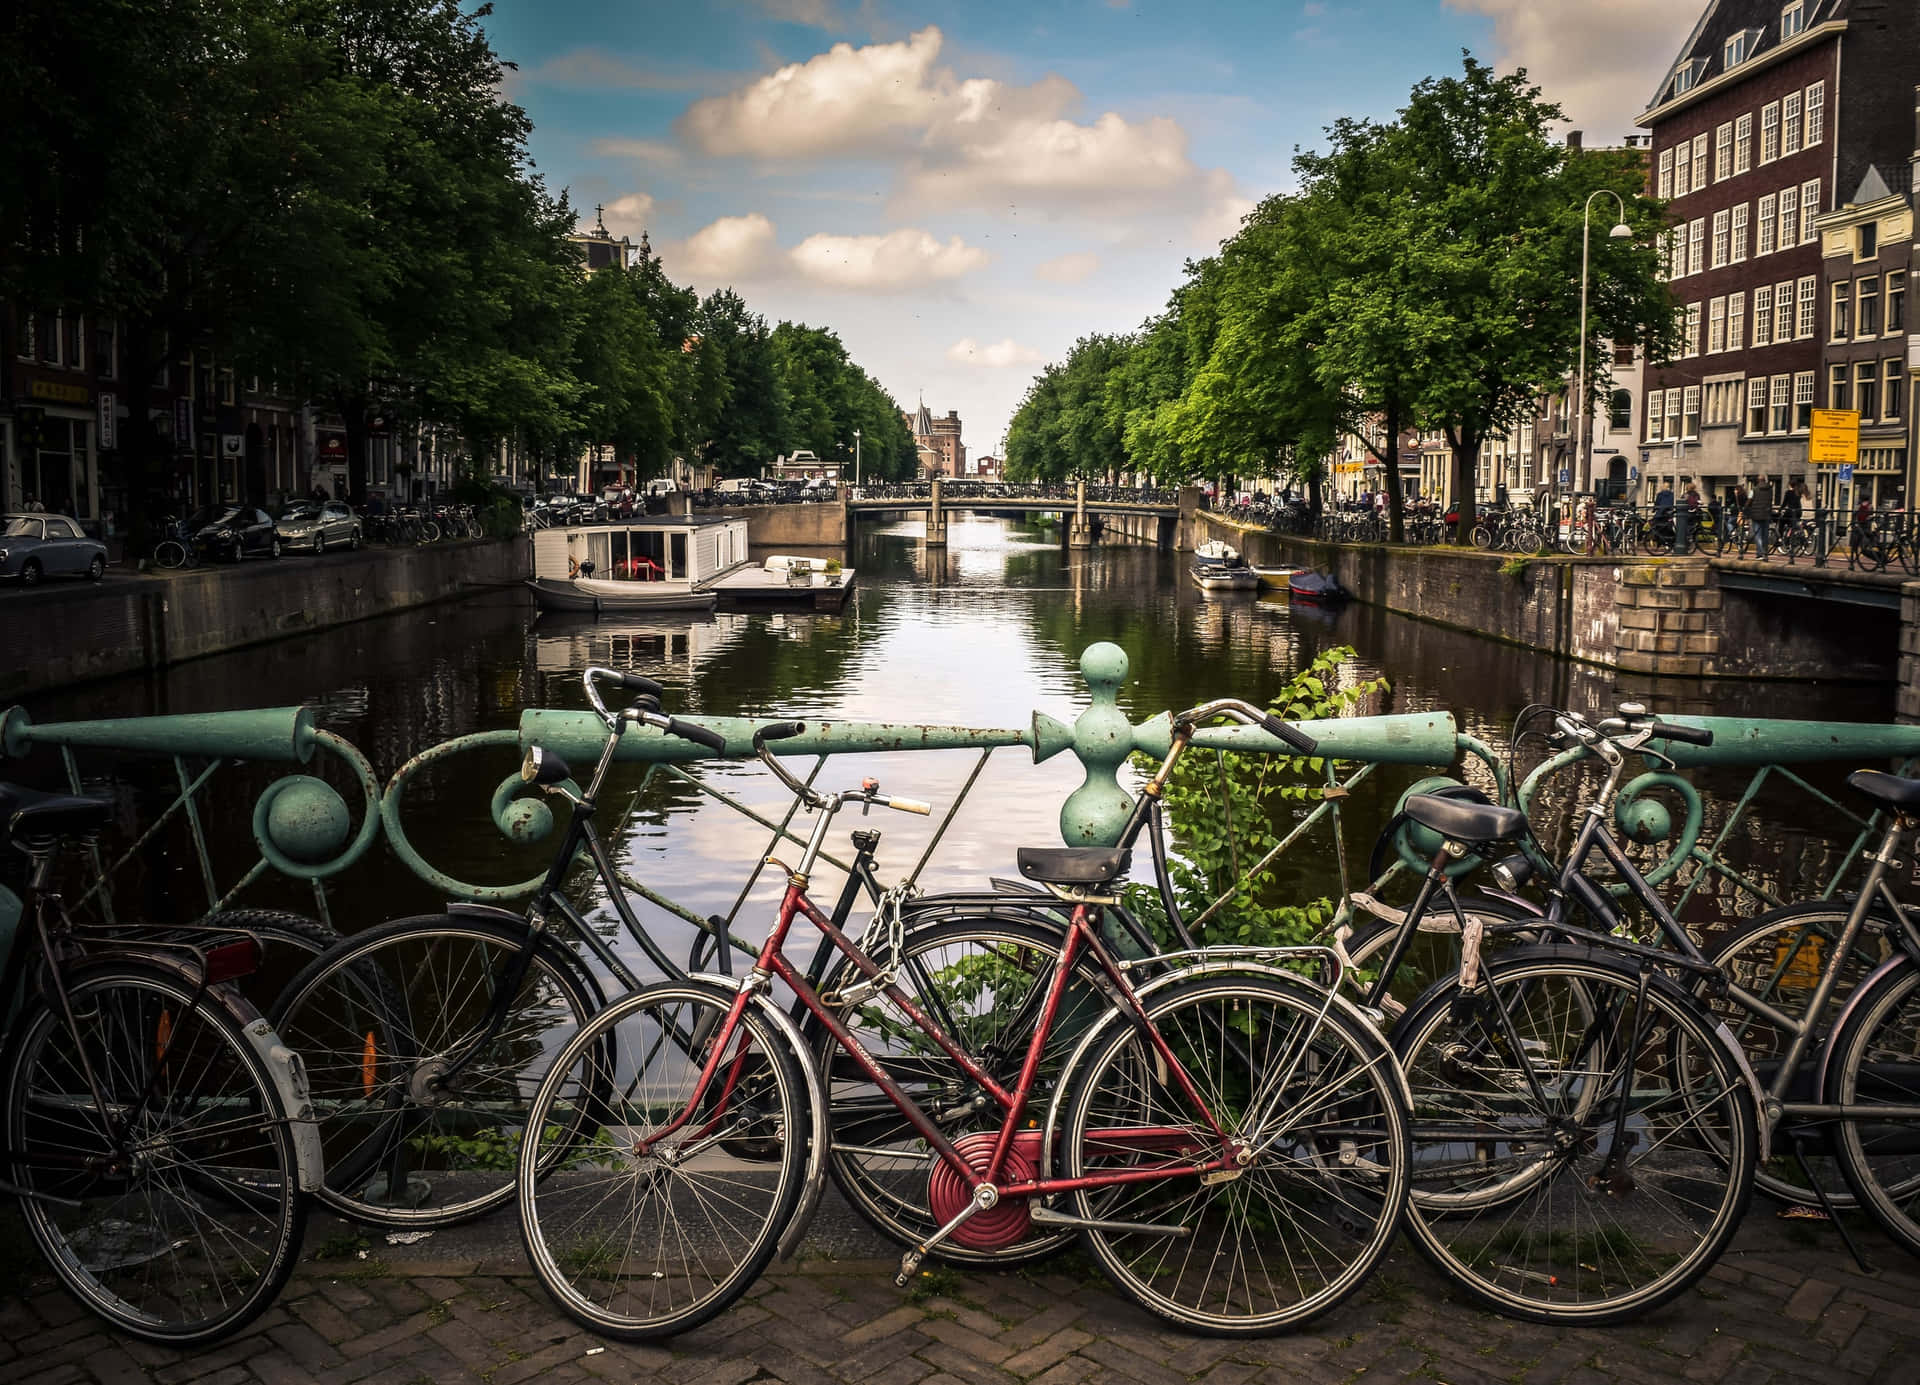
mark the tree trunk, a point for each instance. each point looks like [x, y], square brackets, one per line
[353, 413]
[145, 460]
[1313, 491]
[1396, 503]
[1466, 451]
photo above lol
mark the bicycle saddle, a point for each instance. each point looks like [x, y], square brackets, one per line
[1463, 821]
[29, 814]
[1074, 865]
[1889, 789]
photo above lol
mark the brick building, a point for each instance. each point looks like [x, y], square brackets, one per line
[937, 441]
[1753, 136]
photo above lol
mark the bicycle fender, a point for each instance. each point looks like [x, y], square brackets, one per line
[1200, 969]
[820, 1133]
[462, 909]
[1531, 909]
[289, 1073]
[1879, 976]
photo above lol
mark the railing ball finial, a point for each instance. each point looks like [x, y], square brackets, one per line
[303, 819]
[1094, 813]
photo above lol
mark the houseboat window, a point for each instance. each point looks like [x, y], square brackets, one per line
[679, 568]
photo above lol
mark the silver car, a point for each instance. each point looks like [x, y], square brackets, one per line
[318, 526]
[33, 547]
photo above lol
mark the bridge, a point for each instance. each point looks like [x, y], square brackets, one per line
[1164, 516]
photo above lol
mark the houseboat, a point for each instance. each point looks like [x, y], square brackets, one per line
[659, 563]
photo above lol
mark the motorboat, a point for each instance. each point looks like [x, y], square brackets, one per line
[1320, 587]
[1218, 566]
[656, 563]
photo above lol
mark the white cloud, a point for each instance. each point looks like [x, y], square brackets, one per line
[732, 248]
[1068, 269]
[595, 67]
[996, 355]
[973, 141]
[628, 216]
[648, 151]
[897, 260]
[736, 248]
[1600, 63]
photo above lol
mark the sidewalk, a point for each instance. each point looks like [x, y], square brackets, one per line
[1785, 1304]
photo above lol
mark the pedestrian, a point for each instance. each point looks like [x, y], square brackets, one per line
[1590, 521]
[1760, 516]
[1689, 517]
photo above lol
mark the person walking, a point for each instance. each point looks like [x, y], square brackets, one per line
[1760, 516]
[1689, 518]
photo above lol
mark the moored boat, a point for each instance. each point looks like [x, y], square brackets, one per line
[660, 563]
[1319, 587]
[1218, 566]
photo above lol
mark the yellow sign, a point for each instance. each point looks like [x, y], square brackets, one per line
[1349, 468]
[59, 393]
[1835, 440]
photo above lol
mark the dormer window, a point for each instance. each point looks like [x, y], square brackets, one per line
[1688, 74]
[1793, 19]
[1739, 48]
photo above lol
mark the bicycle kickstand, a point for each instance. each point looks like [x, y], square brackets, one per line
[1799, 1138]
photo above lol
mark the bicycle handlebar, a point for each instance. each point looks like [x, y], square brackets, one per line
[1686, 735]
[1248, 714]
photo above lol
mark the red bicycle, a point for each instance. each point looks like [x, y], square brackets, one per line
[1229, 1138]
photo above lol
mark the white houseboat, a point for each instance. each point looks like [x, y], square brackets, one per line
[660, 563]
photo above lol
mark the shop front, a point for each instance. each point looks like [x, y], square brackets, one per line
[51, 460]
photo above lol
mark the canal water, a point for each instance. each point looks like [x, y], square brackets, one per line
[981, 634]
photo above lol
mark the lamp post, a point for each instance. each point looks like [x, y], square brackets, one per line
[1582, 469]
[856, 457]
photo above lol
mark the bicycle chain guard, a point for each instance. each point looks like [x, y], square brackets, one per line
[1005, 1223]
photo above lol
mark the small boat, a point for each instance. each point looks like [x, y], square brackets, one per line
[1218, 566]
[821, 583]
[651, 563]
[1275, 579]
[1317, 587]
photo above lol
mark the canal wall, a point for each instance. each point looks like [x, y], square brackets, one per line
[1657, 617]
[71, 633]
[815, 524]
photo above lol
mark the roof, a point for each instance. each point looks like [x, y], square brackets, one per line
[1720, 20]
[923, 422]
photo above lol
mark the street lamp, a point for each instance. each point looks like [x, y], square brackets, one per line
[856, 457]
[1582, 468]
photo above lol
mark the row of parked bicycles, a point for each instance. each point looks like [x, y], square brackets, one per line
[1562, 1096]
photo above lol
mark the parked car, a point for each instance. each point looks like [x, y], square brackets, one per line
[233, 531]
[307, 524]
[33, 547]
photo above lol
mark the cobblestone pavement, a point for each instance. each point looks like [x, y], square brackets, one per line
[1785, 1304]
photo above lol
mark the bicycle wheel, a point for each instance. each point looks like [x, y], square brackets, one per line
[984, 981]
[170, 553]
[175, 1213]
[1605, 1175]
[381, 1019]
[1778, 958]
[1309, 1094]
[658, 1225]
[1876, 1062]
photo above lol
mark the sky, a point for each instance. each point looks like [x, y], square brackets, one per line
[960, 191]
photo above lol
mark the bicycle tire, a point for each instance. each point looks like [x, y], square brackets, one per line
[890, 1190]
[1483, 537]
[1327, 1205]
[1878, 1157]
[573, 1222]
[1487, 1172]
[145, 1027]
[170, 554]
[376, 1017]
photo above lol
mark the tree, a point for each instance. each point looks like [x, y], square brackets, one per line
[751, 426]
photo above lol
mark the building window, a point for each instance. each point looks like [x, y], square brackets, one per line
[1716, 326]
[1896, 388]
[50, 349]
[1673, 414]
[1866, 322]
[1896, 301]
[1803, 401]
[1783, 312]
[1809, 210]
[1739, 247]
[1674, 252]
[1664, 187]
[1842, 314]
[1809, 307]
[1697, 245]
[226, 386]
[1763, 233]
[1736, 321]
[1763, 315]
[1693, 329]
[1790, 124]
[26, 336]
[1839, 395]
[77, 342]
[1757, 405]
[1723, 152]
[1793, 19]
[1700, 161]
[1769, 132]
[1734, 51]
[1866, 390]
[1685, 76]
[1620, 409]
[1782, 420]
[1690, 413]
[1655, 399]
[1816, 113]
[1743, 143]
[1867, 241]
[1789, 218]
[106, 349]
[1722, 238]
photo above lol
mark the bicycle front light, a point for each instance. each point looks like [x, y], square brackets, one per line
[1511, 872]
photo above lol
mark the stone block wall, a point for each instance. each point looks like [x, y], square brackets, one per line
[1667, 620]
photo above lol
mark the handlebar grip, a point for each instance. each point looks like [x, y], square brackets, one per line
[646, 687]
[1686, 735]
[1286, 731]
[699, 735]
[777, 731]
[910, 805]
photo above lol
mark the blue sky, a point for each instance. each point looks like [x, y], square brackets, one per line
[961, 190]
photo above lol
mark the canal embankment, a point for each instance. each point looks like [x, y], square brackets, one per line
[1690, 617]
[59, 635]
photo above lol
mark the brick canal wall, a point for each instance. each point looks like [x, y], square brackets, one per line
[67, 633]
[1662, 617]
